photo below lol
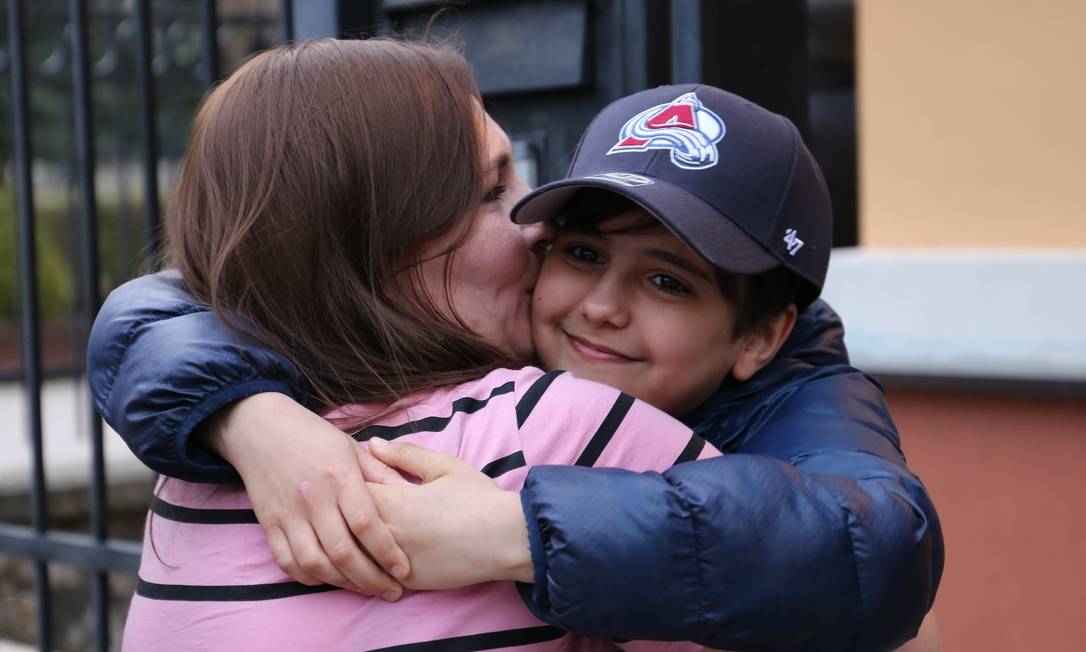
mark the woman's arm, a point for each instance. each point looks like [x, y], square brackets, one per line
[196, 401]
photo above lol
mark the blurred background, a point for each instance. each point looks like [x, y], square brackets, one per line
[953, 138]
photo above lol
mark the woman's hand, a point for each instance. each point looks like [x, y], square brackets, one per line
[457, 527]
[305, 482]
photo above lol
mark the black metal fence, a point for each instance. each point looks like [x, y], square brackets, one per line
[93, 551]
[593, 52]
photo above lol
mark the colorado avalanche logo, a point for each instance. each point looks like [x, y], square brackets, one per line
[683, 126]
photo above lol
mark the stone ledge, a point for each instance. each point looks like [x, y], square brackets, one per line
[985, 314]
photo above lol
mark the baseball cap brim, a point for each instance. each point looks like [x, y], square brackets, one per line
[707, 231]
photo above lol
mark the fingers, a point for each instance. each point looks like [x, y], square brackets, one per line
[284, 557]
[360, 513]
[376, 471]
[338, 547]
[311, 560]
[423, 463]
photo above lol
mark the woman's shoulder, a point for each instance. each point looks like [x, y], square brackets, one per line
[470, 397]
[531, 383]
[521, 389]
[563, 419]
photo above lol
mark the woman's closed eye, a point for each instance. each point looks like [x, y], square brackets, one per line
[495, 193]
[669, 284]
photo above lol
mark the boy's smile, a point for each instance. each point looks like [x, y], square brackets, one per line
[626, 303]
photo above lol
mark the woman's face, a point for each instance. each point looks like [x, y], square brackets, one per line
[494, 270]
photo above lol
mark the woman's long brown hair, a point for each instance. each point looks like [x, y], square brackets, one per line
[312, 177]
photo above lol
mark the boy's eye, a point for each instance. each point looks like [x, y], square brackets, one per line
[669, 284]
[495, 193]
[583, 253]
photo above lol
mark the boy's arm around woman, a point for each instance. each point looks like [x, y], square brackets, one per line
[811, 535]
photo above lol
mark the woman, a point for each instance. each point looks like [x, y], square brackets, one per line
[334, 201]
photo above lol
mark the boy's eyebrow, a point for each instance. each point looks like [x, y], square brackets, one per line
[678, 261]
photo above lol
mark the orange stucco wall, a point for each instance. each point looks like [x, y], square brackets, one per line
[1008, 476]
[971, 122]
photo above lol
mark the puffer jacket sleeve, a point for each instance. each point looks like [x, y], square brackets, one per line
[159, 363]
[812, 535]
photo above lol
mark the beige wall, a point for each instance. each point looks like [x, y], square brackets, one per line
[972, 122]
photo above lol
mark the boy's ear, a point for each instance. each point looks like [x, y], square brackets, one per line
[758, 346]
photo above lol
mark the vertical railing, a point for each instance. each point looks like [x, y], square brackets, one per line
[286, 20]
[84, 140]
[686, 42]
[210, 19]
[28, 299]
[144, 54]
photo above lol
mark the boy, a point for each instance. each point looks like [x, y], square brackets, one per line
[814, 513]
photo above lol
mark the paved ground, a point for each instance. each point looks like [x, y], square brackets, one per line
[65, 422]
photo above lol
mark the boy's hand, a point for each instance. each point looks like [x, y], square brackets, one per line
[305, 480]
[457, 527]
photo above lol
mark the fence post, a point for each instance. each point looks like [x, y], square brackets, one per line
[210, 20]
[28, 299]
[84, 132]
[686, 50]
[339, 18]
[144, 54]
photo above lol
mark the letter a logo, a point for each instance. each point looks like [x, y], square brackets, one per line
[683, 126]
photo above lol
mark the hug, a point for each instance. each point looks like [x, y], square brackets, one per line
[399, 400]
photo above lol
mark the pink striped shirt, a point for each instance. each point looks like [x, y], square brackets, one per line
[214, 585]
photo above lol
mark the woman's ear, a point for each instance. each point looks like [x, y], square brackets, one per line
[758, 346]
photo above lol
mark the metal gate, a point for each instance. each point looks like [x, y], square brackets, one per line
[590, 52]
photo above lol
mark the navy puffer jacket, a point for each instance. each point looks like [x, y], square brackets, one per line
[811, 535]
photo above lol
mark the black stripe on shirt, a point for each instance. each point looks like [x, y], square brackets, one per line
[531, 397]
[465, 404]
[227, 593]
[607, 429]
[692, 450]
[487, 641]
[180, 514]
[504, 465]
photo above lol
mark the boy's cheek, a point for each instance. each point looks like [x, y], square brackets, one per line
[543, 337]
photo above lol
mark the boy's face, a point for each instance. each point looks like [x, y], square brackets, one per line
[635, 308]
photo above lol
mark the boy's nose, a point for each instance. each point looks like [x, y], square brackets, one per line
[604, 306]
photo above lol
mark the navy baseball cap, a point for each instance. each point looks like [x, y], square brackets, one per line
[732, 180]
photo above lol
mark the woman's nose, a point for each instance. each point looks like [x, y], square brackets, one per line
[537, 236]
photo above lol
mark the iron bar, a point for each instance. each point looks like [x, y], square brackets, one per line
[28, 299]
[72, 549]
[144, 54]
[211, 43]
[686, 41]
[286, 20]
[84, 138]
